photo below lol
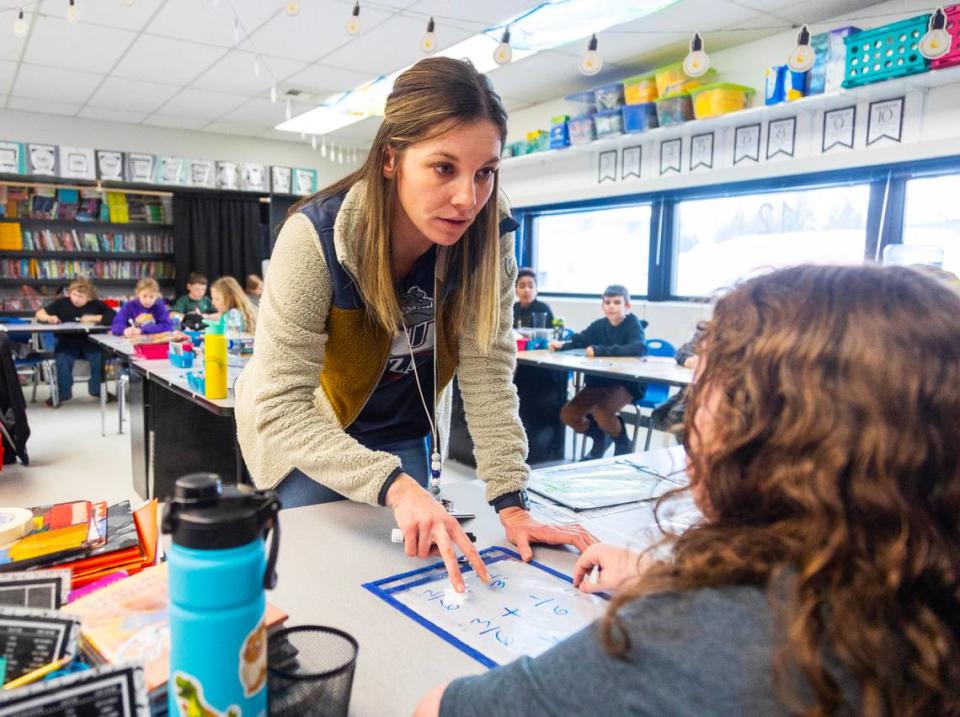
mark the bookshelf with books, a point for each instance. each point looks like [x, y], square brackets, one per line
[50, 235]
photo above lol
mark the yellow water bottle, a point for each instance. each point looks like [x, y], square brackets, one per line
[215, 361]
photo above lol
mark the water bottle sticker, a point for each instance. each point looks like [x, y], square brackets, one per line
[253, 660]
[190, 700]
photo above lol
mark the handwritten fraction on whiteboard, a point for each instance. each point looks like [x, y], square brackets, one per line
[526, 609]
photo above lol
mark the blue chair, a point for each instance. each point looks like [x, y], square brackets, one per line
[656, 394]
[37, 361]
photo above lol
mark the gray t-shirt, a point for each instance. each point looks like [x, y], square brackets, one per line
[701, 653]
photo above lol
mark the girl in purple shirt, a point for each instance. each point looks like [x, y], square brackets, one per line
[146, 314]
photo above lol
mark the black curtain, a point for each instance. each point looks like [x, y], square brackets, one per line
[216, 235]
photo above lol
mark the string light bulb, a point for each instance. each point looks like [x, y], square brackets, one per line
[288, 110]
[428, 43]
[340, 156]
[20, 25]
[803, 56]
[697, 61]
[72, 12]
[293, 8]
[313, 142]
[256, 67]
[323, 148]
[936, 41]
[590, 62]
[128, 3]
[353, 24]
[503, 54]
[273, 94]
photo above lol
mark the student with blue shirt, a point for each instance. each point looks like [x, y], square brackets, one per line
[823, 577]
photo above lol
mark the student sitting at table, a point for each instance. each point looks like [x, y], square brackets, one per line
[595, 410]
[542, 391]
[144, 314]
[227, 294]
[80, 304]
[822, 578]
[528, 305]
[195, 300]
[254, 287]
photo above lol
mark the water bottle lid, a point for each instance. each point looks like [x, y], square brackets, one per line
[206, 515]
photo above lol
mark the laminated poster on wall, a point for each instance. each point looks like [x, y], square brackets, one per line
[42, 160]
[701, 151]
[280, 180]
[200, 173]
[782, 138]
[839, 126]
[169, 170]
[140, 167]
[304, 181]
[228, 176]
[525, 609]
[252, 177]
[77, 163]
[110, 165]
[12, 159]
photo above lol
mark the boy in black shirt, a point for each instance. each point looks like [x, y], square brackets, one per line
[81, 304]
[527, 303]
[595, 411]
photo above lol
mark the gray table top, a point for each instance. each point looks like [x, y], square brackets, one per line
[169, 376]
[68, 327]
[117, 345]
[328, 551]
[647, 368]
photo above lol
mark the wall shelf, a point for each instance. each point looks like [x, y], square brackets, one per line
[81, 225]
[92, 255]
[752, 115]
[7, 281]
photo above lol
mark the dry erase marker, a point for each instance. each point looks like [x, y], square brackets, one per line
[595, 575]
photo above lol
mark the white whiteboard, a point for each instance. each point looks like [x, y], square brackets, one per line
[526, 609]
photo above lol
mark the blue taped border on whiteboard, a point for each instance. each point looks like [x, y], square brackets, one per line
[386, 588]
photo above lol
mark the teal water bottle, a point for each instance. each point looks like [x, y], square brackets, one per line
[219, 570]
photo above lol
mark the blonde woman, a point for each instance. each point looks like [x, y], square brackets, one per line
[381, 288]
[80, 304]
[227, 294]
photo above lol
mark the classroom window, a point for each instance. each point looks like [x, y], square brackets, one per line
[582, 252]
[727, 239]
[932, 217]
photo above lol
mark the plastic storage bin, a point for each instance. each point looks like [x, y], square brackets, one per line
[674, 109]
[640, 89]
[672, 80]
[953, 27]
[639, 118]
[582, 130]
[537, 141]
[885, 52]
[559, 132]
[609, 97]
[184, 360]
[152, 352]
[720, 99]
[608, 123]
[584, 103]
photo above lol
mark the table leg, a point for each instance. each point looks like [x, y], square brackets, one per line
[103, 406]
[121, 399]
[577, 385]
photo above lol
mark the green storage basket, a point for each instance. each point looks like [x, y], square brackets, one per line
[884, 53]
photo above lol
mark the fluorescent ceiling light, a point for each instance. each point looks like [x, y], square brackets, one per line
[547, 25]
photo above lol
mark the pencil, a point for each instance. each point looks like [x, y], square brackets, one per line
[38, 674]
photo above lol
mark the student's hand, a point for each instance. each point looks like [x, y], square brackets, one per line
[131, 331]
[430, 705]
[691, 362]
[425, 523]
[555, 345]
[589, 352]
[51, 319]
[616, 565]
[522, 529]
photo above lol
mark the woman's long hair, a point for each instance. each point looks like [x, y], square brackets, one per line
[432, 97]
[235, 299]
[833, 468]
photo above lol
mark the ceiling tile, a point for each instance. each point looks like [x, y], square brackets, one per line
[236, 73]
[53, 83]
[209, 22]
[263, 112]
[109, 14]
[12, 46]
[91, 48]
[282, 136]
[134, 95]
[486, 13]
[45, 106]
[319, 29]
[201, 104]
[321, 80]
[168, 61]
[7, 71]
[390, 46]
[362, 132]
[524, 79]
[813, 11]
[112, 114]
[177, 122]
[243, 130]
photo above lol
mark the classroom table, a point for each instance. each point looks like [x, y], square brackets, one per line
[175, 430]
[328, 551]
[653, 369]
[67, 327]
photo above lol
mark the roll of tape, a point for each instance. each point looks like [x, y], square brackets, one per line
[14, 524]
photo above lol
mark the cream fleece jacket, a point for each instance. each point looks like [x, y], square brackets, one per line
[284, 420]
